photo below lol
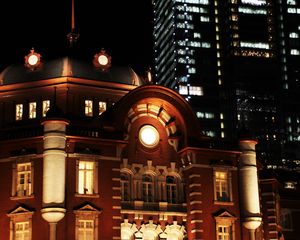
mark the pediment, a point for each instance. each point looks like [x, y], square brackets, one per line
[20, 210]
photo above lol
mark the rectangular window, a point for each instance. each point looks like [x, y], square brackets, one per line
[86, 175]
[85, 230]
[224, 232]
[88, 108]
[46, 106]
[24, 176]
[19, 112]
[22, 231]
[183, 90]
[222, 186]
[32, 110]
[102, 107]
[196, 90]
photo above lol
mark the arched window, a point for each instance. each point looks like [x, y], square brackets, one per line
[125, 186]
[147, 188]
[171, 185]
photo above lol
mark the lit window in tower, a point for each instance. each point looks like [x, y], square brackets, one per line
[192, 9]
[181, 51]
[102, 107]
[291, 2]
[191, 60]
[88, 110]
[205, 45]
[19, 112]
[258, 45]
[192, 70]
[183, 90]
[293, 10]
[294, 35]
[194, 44]
[255, 2]
[32, 110]
[196, 90]
[295, 52]
[204, 19]
[46, 106]
[248, 10]
[197, 35]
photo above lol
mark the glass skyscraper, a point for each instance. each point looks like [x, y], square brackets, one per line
[237, 63]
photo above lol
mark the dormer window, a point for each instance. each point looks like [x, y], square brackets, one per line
[88, 108]
[32, 110]
[46, 107]
[19, 112]
[290, 185]
[102, 60]
[32, 60]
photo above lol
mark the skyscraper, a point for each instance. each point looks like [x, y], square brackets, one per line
[237, 63]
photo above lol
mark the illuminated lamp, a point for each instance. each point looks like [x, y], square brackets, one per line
[149, 136]
[32, 60]
[102, 60]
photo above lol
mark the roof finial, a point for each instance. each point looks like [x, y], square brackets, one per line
[73, 36]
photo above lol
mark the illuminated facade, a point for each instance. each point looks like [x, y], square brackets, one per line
[236, 62]
[89, 152]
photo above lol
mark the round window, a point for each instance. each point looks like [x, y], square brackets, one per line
[149, 136]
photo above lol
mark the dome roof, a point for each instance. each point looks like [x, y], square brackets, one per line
[69, 67]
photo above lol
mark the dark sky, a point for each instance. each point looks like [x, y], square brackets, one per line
[123, 28]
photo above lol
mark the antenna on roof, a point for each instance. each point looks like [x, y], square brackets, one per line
[73, 36]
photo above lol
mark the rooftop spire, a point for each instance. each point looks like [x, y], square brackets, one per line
[73, 17]
[73, 36]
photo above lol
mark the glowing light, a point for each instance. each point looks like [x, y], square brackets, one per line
[103, 60]
[33, 59]
[149, 136]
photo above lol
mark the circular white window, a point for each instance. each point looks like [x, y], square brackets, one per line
[33, 59]
[149, 136]
[103, 60]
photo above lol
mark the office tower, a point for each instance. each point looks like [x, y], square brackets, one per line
[234, 61]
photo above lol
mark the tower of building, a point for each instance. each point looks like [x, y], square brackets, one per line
[236, 62]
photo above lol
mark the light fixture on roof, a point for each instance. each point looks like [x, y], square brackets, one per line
[102, 60]
[32, 60]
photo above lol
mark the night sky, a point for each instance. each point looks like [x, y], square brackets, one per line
[123, 28]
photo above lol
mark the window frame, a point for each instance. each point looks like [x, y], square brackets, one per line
[15, 180]
[95, 190]
[20, 215]
[123, 182]
[149, 187]
[19, 112]
[225, 219]
[88, 109]
[229, 200]
[87, 213]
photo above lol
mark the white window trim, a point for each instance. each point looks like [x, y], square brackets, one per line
[87, 212]
[20, 214]
[227, 220]
[14, 194]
